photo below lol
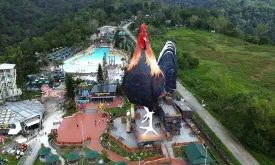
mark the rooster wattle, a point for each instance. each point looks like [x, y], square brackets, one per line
[144, 81]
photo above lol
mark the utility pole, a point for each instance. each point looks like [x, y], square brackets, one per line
[82, 132]
[205, 155]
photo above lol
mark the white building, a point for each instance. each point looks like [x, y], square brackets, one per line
[8, 88]
[16, 117]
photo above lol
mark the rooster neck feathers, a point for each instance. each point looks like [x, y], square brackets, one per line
[143, 44]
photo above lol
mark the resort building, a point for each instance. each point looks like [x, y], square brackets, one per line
[8, 88]
[103, 93]
[16, 117]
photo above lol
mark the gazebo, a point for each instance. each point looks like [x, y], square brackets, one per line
[197, 154]
[73, 157]
[52, 159]
[43, 153]
[92, 156]
[120, 163]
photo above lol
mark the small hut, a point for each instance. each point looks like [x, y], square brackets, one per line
[52, 159]
[73, 158]
[120, 163]
[43, 153]
[92, 156]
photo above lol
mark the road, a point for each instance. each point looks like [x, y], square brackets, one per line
[125, 28]
[221, 132]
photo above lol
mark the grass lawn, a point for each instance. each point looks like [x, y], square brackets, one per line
[228, 67]
[26, 95]
[11, 158]
[116, 110]
[7, 141]
[178, 152]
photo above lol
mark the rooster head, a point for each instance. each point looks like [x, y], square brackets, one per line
[143, 45]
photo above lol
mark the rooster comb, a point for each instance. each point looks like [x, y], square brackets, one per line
[143, 40]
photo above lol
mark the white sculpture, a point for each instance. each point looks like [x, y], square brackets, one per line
[148, 116]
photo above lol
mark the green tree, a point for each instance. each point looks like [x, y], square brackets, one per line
[105, 76]
[222, 23]
[104, 61]
[192, 20]
[100, 78]
[260, 30]
[69, 85]
[52, 136]
[116, 39]
[104, 155]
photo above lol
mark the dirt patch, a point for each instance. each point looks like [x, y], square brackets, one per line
[255, 77]
[224, 43]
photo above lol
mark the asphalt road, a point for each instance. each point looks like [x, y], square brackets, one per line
[222, 133]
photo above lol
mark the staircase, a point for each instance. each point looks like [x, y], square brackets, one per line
[91, 111]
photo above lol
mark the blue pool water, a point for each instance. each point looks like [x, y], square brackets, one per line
[88, 63]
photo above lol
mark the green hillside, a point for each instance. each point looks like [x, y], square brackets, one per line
[237, 81]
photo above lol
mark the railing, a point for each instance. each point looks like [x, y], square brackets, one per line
[183, 144]
[159, 161]
[196, 132]
[73, 143]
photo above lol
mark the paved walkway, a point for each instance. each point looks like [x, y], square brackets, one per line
[228, 140]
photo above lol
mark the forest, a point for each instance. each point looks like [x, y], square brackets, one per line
[245, 15]
[30, 26]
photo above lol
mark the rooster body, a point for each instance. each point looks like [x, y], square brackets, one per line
[144, 81]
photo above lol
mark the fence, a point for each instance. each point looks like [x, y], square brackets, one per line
[196, 133]
[210, 139]
[159, 161]
[132, 149]
[73, 143]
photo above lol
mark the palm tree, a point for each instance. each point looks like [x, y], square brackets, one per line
[52, 136]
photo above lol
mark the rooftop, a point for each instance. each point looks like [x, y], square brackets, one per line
[6, 66]
[13, 112]
[169, 109]
[104, 88]
[182, 105]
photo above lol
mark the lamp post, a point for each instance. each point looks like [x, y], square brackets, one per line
[75, 99]
[138, 160]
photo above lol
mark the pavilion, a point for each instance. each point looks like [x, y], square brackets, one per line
[196, 154]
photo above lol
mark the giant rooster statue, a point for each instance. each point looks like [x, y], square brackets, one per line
[146, 79]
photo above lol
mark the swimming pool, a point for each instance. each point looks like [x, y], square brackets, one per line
[88, 63]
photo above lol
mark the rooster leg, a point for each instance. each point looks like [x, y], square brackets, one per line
[132, 111]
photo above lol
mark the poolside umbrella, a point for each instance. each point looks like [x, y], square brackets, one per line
[73, 156]
[44, 151]
[92, 154]
[120, 163]
[52, 158]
